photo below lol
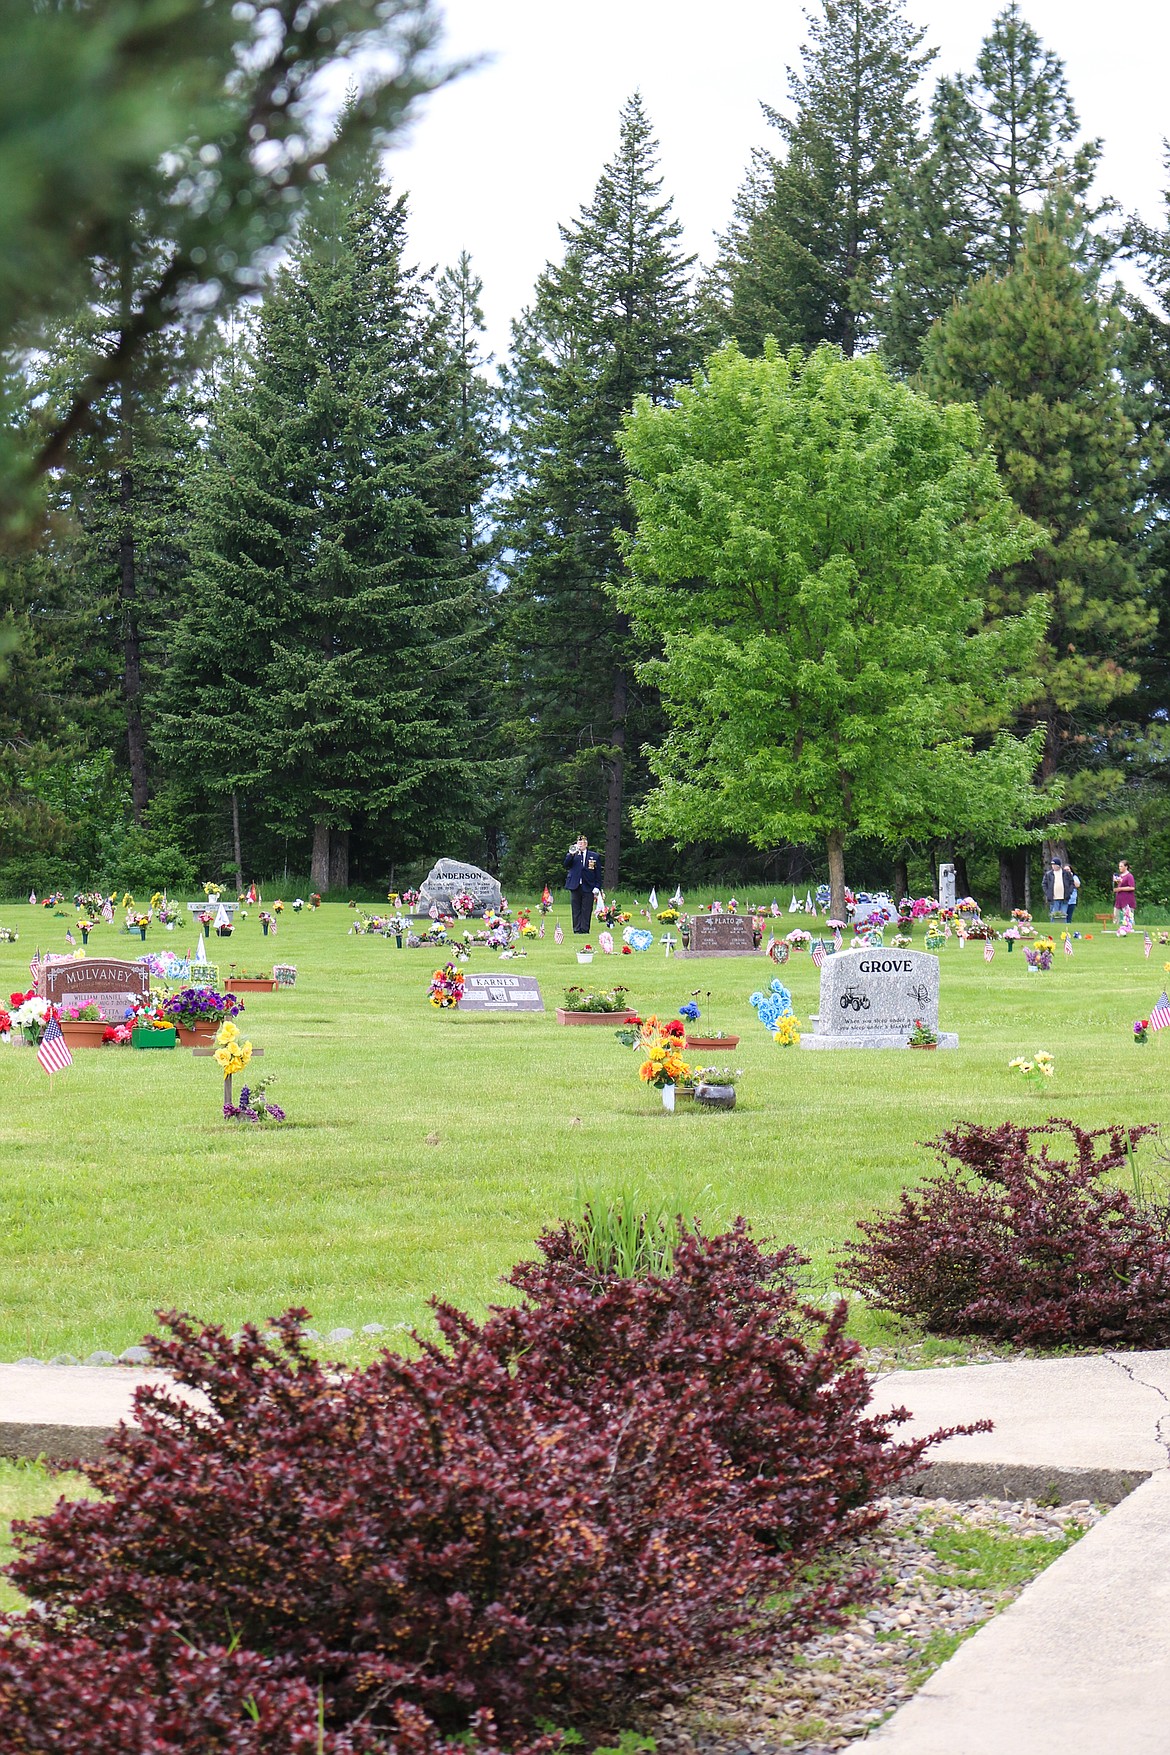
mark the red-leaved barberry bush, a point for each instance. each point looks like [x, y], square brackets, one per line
[582, 1501]
[1021, 1242]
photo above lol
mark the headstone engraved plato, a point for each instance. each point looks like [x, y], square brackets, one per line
[501, 993]
[946, 886]
[873, 998]
[448, 877]
[104, 981]
[721, 935]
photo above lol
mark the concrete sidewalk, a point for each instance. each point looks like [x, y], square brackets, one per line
[66, 1411]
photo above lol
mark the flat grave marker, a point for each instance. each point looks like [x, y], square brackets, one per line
[501, 993]
[721, 935]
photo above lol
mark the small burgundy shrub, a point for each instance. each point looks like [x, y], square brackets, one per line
[1014, 1242]
[585, 1499]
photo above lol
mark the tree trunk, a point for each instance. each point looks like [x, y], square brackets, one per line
[1007, 883]
[617, 779]
[236, 843]
[901, 880]
[1028, 880]
[339, 859]
[319, 868]
[835, 842]
[962, 881]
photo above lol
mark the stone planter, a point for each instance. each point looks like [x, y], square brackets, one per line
[713, 1042]
[566, 1017]
[83, 1032]
[241, 984]
[715, 1096]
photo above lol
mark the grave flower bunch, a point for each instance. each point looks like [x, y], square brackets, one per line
[606, 999]
[1041, 1066]
[8, 935]
[1141, 1030]
[446, 989]
[30, 1014]
[787, 1033]
[463, 904]
[663, 1064]
[799, 939]
[5, 1026]
[254, 1106]
[193, 1006]
[231, 1055]
[1039, 954]
[116, 1036]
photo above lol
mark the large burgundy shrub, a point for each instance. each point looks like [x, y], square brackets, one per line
[1022, 1243]
[585, 1499]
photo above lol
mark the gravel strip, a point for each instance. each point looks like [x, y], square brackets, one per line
[827, 1694]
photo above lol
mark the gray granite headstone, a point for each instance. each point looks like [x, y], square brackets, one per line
[447, 877]
[946, 886]
[873, 998]
[501, 993]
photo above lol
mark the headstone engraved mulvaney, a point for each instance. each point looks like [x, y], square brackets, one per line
[104, 981]
[501, 993]
[873, 998]
[447, 877]
[721, 935]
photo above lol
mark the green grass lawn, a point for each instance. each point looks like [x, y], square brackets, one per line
[123, 1189]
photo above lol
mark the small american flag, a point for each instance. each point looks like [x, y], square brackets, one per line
[540, 934]
[34, 967]
[837, 939]
[1067, 945]
[54, 1054]
[988, 951]
[69, 938]
[559, 934]
[1149, 944]
[1160, 1016]
[818, 955]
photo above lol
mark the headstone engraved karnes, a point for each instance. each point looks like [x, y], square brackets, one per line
[447, 877]
[873, 998]
[721, 935]
[104, 981]
[501, 993]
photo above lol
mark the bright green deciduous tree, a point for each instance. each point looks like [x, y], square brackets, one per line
[809, 253]
[1038, 350]
[812, 547]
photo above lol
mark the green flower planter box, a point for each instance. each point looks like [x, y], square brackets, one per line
[143, 1038]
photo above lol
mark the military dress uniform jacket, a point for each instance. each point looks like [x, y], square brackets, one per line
[582, 870]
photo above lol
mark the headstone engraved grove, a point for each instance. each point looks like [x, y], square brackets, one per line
[105, 981]
[501, 993]
[447, 877]
[873, 999]
[721, 935]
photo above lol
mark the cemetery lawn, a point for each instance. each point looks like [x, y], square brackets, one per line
[426, 1149]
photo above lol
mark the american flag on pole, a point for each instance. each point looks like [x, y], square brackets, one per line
[69, 938]
[988, 951]
[818, 955]
[837, 939]
[1149, 944]
[1160, 1016]
[34, 967]
[54, 1054]
[1068, 951]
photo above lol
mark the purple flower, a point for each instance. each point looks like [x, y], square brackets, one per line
[276, 1112]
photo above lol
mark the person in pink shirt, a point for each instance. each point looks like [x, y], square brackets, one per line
[1124, 892]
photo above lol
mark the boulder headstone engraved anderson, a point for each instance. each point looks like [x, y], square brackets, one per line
[873, 999]
[501, 993]
[721, 935]
[447, 877]
[104, 981]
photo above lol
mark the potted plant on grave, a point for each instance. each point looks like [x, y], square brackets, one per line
[585, 956]
[198, 1012]
[606, 1006]
[150, 1028]
[29, 1014]
[249, 981]
[708, 1038]
[82, 1025]
[715, 1086]
[922, 1036]
[663, 1066]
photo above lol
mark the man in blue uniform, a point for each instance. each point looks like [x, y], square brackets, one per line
[582, 874]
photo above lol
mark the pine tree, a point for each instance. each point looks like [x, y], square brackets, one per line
[325, 666]
[614, 319]
[808, 256]
[1146, 368]
[1002, 139]
[1037, 348]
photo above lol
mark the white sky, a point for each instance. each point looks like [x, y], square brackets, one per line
[498, 158]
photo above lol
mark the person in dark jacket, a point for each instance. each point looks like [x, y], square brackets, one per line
[582, 880]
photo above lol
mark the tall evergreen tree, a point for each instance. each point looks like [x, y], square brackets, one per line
[1146, 366]
[325, 665]
[808, 256]
[1001, 140]
[1037, 349]
[614, 319]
